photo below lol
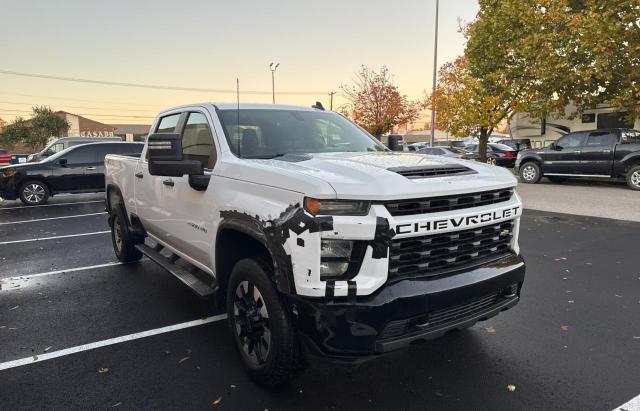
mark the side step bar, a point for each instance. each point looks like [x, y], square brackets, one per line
[190, 280]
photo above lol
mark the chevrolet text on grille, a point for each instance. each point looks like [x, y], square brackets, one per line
[456, 222]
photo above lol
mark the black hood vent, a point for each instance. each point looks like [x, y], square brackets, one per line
[440, 170]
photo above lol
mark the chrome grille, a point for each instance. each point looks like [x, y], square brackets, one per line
[439, 254]
[447, 203]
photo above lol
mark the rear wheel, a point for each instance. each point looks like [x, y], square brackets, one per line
[34, 192]
[260, 325]
[633, 177]
[124, 244]
[491, 160]
[530, 173]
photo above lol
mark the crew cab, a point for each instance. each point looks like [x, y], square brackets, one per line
[593, 154]
[318, 241]
[78, 169]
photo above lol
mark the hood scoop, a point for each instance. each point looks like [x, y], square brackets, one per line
[440, 170]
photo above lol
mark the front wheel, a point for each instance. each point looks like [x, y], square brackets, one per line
[633, 177]
[530, 173]
[34, 192]
[260, 325]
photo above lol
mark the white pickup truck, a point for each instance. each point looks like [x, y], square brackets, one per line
[318, 241]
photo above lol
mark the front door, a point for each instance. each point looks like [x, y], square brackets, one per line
[565, 158]
[68, 174]
[188, 219]
[597, 154]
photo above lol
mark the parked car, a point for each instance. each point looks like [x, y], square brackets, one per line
[78, 169]
[594, 154]
[417, 146]
[449, 143]
[497, 154]
[66, 142]
[316, 250]
[517, 144]
[5, 156]
[453, 152]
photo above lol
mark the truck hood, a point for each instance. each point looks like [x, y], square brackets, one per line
[391, 175]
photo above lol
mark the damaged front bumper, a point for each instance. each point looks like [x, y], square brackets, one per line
[405, 312]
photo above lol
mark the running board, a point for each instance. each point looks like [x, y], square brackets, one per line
[190, 280]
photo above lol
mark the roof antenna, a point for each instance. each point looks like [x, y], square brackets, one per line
[238, 115]
[318, 105]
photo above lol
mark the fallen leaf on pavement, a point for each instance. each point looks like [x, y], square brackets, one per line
[564, 327]
[216, 402]
[13, 308]
[183, 360]
[47, 349]
[103, 370]
[490, 330]
[511, 387]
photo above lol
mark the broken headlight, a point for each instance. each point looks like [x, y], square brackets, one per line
[335, 256]
[336, 207]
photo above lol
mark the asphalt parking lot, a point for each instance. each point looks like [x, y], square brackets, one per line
[78, 330]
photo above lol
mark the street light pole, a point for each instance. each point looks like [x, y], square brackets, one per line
[435, 72]
[273, 67]
[331, 100]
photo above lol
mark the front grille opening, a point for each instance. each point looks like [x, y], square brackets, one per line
[431, 171]
[448, 203]
[439, 254]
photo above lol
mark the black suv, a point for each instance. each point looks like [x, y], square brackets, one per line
[610, 153]
[78, 169]
[517, 144]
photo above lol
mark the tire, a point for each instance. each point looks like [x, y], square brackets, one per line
[530, 173]
[633, 177]
[557, 180]
[260, 325]
[121, 237]
[34, 192]
[491, 161]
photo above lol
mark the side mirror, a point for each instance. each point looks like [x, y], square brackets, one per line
[63, 162]
[165, 157]
[553, 146]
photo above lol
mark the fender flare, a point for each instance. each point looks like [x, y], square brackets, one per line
[631, 158]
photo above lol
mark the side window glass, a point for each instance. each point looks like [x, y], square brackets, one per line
[168, 124]
[601, 139]
[571, 140]
[197, 140]
[81, 155]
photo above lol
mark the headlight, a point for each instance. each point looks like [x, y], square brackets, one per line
[335, 256]
[336, 207]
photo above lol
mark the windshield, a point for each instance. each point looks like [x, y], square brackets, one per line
[265, 133]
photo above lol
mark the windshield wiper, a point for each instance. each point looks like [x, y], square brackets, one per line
[265, 157]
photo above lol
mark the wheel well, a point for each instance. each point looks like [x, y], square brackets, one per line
[632, 163]
[531, 160]
[114, 197]
[231, 247]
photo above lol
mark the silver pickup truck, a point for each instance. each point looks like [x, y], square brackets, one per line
[318, 241]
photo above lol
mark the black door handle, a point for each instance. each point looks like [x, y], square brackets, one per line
[139, 174]
[168, 182]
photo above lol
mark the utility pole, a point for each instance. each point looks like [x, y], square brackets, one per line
[273, 67]
[331, 100]
[435, 72]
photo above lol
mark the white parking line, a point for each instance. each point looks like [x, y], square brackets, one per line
[52, 238]
[53, 218]
[111, 341]
[67, 270]
[50, 205]
[632, 405]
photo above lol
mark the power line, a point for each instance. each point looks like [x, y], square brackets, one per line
[81, 107]
[83, 100]
[13, 112]
[151, 86]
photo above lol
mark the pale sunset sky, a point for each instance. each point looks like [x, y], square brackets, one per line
[207, 44]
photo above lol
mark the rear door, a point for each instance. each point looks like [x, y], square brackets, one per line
[565, 159]
[597, 153]
[148, 189]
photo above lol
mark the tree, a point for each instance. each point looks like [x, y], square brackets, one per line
[376, 104]
[35, 132]
[465, 105]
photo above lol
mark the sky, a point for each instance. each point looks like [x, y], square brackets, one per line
[320, 45]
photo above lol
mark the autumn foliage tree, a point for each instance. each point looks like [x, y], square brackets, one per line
[376, 104]
[35, 131]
